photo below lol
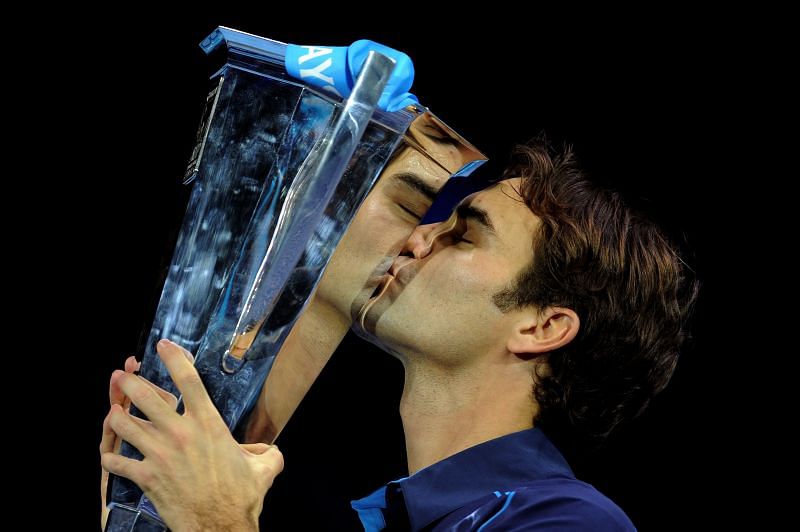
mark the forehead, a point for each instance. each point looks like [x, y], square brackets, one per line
[514, 221]
[409, 160]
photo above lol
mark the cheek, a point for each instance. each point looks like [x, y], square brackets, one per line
[374, 234]
[446, 310]
[466, 282]
[376, 231]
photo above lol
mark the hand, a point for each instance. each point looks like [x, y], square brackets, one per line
[193, 470]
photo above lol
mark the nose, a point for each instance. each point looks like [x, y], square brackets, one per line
[421, 241]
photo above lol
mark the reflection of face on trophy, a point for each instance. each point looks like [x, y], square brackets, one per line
[395, 205]
[300, 203]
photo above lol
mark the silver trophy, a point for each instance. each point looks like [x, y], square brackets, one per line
[279, 172]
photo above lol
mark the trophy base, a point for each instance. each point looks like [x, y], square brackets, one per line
[126, 518]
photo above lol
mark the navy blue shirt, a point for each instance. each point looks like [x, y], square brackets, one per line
[519, 481]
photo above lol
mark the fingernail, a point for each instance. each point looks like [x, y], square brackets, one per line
[163, 342]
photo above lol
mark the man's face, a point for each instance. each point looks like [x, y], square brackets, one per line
[391, 211]
[440, 305]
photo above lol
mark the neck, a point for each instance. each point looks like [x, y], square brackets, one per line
[446, 411]
[307, 349]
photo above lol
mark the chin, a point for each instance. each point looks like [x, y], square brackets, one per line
[387, 346]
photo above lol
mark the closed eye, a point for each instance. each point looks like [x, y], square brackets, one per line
[459, 232]
[409, 211]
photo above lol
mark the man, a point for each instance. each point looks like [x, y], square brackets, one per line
[543, 309]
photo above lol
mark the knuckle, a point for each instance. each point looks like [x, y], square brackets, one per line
[182, 438]
[188, 354]
[158, 457]
[146, 479]
[124, 468]
[172, 400]
[140, 394]
[191, 377]
[278, 461]
[214, 425]
[110, 462]
[115, 421]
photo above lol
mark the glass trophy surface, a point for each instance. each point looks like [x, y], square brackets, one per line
[279, 171]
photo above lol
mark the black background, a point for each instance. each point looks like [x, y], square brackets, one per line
[639, 100]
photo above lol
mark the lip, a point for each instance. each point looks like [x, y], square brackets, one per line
[399, 263]
[393, 279]
[391, 276]
[385, 280]
[383, 285]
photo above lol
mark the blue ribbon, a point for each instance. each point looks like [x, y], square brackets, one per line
[459, 186]
[334, 69]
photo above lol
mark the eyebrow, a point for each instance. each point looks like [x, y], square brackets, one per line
[444, 141]
[417, 183]
[470, 212]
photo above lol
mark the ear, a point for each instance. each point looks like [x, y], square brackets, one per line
[543, 332]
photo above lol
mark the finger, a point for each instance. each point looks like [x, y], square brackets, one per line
[103, 489]
[147, 400]
[115, 394]
[109, 437]
[110, 441]
[124, 467]
[170, 399]
[189, 356]
[131, 430]
[186, 378]
[131, 364]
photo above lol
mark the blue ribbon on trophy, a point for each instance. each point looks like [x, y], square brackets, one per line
[335, 68]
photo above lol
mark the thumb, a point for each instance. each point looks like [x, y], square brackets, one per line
[268, 456]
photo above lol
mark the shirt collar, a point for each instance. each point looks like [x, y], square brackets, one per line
[500, 464]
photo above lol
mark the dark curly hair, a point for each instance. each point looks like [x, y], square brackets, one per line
[622, 276]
